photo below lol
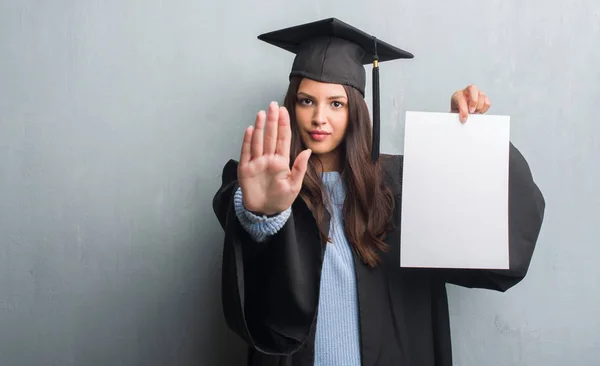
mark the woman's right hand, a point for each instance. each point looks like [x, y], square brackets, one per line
[267, 183]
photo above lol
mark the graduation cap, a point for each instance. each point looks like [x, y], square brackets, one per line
[332, 51]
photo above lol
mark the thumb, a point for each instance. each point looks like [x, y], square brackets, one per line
[299, 168]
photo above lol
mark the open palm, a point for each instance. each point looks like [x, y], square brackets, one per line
[268, 184]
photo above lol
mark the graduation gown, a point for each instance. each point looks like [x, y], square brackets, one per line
[270, 290]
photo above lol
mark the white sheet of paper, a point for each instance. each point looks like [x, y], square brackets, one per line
[455, 192]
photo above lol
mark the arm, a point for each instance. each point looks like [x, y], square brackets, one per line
[269, 288]
[526, 213]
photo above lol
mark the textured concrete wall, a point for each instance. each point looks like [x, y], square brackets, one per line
[117, 116]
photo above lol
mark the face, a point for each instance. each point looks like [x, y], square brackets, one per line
[322, 118]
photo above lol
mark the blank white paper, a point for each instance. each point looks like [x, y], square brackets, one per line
[455, 192]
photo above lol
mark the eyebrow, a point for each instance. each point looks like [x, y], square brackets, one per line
[330, 98]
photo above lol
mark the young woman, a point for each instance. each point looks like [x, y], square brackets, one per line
[311, 214]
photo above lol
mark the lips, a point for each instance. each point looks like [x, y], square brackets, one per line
[319, 135]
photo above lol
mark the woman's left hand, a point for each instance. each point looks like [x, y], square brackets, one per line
[470, 100]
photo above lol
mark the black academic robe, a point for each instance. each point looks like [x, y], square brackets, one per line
[270, 290]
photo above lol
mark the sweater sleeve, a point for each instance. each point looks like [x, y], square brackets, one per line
[259, 227]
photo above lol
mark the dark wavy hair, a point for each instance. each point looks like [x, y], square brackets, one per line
[369, 203]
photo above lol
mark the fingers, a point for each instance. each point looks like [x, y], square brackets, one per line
[284, 133]
[246, 153]
[486, 104]
[480, 102]
[270, 137]
[468, 101]
[461, 103]
[257, 135]
[299, 169]
[472, 94]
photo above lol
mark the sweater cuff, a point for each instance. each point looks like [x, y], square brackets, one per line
[259, 227]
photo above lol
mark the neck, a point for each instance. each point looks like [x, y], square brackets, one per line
[329, 162]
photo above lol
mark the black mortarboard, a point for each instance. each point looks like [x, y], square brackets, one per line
[332, 51]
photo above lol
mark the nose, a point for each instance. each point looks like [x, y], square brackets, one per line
[319, 117]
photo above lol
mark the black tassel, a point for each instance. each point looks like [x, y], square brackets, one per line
[376, 122]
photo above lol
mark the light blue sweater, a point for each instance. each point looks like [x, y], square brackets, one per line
[337, 336]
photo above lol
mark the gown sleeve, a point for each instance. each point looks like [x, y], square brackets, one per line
[270, 288]
[526, 213]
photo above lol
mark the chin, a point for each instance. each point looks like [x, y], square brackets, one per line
[319, 150]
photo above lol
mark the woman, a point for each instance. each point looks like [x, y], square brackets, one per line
[311, 214]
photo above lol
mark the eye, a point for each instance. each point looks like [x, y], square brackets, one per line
[337, 104]
[305, 101]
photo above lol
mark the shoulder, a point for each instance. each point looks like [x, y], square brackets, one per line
[229, 173]
[391, 166]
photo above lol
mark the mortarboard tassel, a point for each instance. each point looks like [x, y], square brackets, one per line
[376, 122]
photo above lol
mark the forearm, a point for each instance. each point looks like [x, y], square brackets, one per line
[262, 301]
[259, 227]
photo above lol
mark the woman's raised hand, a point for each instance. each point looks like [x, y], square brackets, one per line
[268, 184]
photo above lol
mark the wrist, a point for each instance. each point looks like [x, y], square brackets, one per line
[259, 212]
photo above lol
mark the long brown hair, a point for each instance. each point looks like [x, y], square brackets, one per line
[369, 203]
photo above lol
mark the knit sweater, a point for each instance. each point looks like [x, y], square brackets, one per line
[337, 334]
